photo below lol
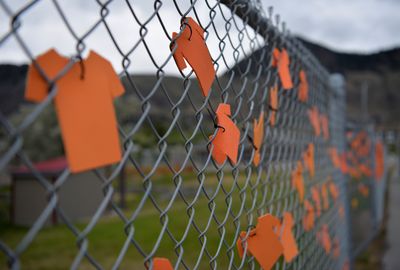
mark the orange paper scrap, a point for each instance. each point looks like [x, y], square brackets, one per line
[191, 46]
[258, 135]
[333, 153]
[325, 198]
[298, 180]
[313, 116]
[309, 161]
[325, 126]
[226, 141]
[317, 200]
[363, 189]
[343, 164]
[309, 216]
[280, 59]
[162, 264]
[334, 190]
[288, 240]
[273, 104]
[379, 161]
[336, 248]
[263, 243]
[303, 87]
[84, 106]
[325, 238]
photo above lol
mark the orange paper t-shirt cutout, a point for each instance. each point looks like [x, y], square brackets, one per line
[263, 243]
[84, 107]
[334, 190]
[289, 244]
[325, 126]
[303, 87]
[332, 151]
[258, 135]
[363, 189]
[313, 116]
[309, 216]
[317, 199]
[192, 47]
[298, 180]
[309, 161]
[280, 59]
[336, 247]
[325, 238]
[379, 161]
[273, 104]
[343, 163]
[162, 264]
[325, 198]
[226, 141]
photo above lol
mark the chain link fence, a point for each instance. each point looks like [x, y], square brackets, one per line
[167, 197]
[366, 184]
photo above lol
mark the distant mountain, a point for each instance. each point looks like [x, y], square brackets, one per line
[381, 71]
[383, 61]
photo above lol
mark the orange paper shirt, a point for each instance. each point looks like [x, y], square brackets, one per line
[298, 180]
[192, 47]
[226, 141]
[317, 199]
[303, 87]
[263, 243]
[273, 103]
[84, 107]
[290, 249]
[162, 264]
[309, 216]
[258, 135]
[281, 61]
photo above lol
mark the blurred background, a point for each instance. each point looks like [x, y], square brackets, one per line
[359, 39]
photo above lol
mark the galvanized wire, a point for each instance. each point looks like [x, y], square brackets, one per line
[215, 202]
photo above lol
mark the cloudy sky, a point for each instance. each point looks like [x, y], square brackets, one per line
[357, 25]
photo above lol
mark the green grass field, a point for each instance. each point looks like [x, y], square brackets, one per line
[55, 247]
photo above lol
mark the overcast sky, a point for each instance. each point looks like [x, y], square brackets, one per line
[345, 25]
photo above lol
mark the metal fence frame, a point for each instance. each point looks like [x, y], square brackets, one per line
[272, 177]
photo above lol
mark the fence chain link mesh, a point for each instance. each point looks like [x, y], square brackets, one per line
[167, 197]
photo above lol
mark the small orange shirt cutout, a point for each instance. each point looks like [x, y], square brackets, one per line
[192, 47]
[302, 94]
[379, 161]
[317, 200]
[84, 107]
[298, 180]
[290, 249]
[263, 243]
[162, 264]
[336, 248]
[334, 190]
[309, 217]
[325, 126]
[313, 116]
[258, 136]
[308, 158]
[325, 238]
[333, 153]
[226, 141]
[363, 189]
[280, 59]
[273, 104]
[325, 198]
[343, 164]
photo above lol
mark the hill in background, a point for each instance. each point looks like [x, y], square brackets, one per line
[381, 71]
